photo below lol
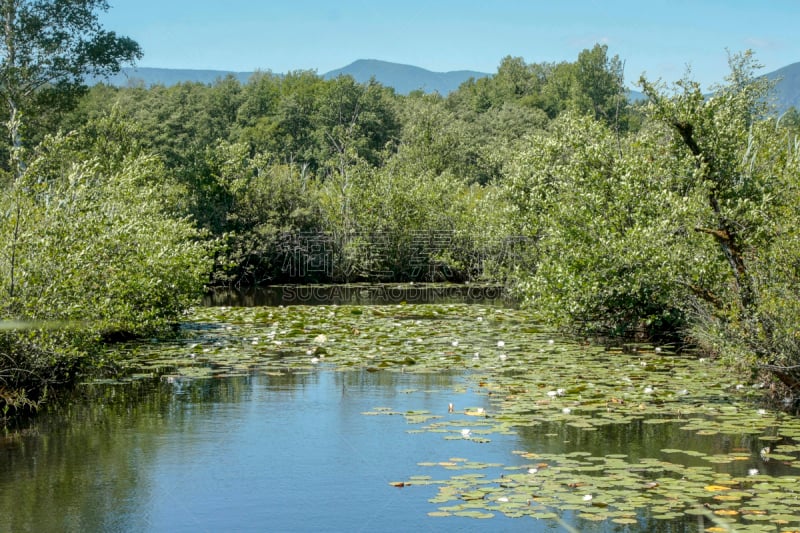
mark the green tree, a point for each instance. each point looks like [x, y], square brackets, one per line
[277, 115]
[607, 222]
[267, 205]
[91, 247]
[599, 84]
[47, 48]
[354, 120]
[744, 168]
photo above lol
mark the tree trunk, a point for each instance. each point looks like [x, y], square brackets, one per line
[725, 234]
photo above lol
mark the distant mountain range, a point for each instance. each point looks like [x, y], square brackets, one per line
[787, 90]
[405, 78]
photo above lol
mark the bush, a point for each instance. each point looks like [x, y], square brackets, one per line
[89, 249]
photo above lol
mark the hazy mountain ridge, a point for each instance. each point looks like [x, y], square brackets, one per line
[787, 88]
[405, 78]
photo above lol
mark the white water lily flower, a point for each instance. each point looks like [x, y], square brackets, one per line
[314, 360]
[465, 433]
[500, 344]
[503, 357]
[476, 356]
[566, 410]
[560, 392]
[648, 390]
[551, 342]
[502, 499]
[587, 498]
[762, 411]
[752, 472]
[454, 344]
[552, 393]
[533, 470]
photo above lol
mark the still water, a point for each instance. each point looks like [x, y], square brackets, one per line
[297, 452]
[339, 418]
[260, 453]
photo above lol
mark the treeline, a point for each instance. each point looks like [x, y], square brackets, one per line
[673, 219]
[302, 179]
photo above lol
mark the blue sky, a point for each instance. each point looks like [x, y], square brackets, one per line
[656, 37]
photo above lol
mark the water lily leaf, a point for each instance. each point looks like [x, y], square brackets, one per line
[614, 404]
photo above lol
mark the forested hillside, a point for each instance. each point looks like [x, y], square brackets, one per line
[674, 218]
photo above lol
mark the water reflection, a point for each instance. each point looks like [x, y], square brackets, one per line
[641, 439]
[261, 453]
[294, 451]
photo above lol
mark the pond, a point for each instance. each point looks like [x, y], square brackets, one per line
[399, 417]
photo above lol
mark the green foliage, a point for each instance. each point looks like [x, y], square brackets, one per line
[745, 167]
[48, 47]
[354, 120]
[277, 113]
[592, 85]
[433, 139]
[672, 219]
[609, 225]
[742, 166]
[685, 227]
[90, 248]
[268, 205]
[396, 224]
[96, 244]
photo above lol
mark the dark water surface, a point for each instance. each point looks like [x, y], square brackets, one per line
[359, 294]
